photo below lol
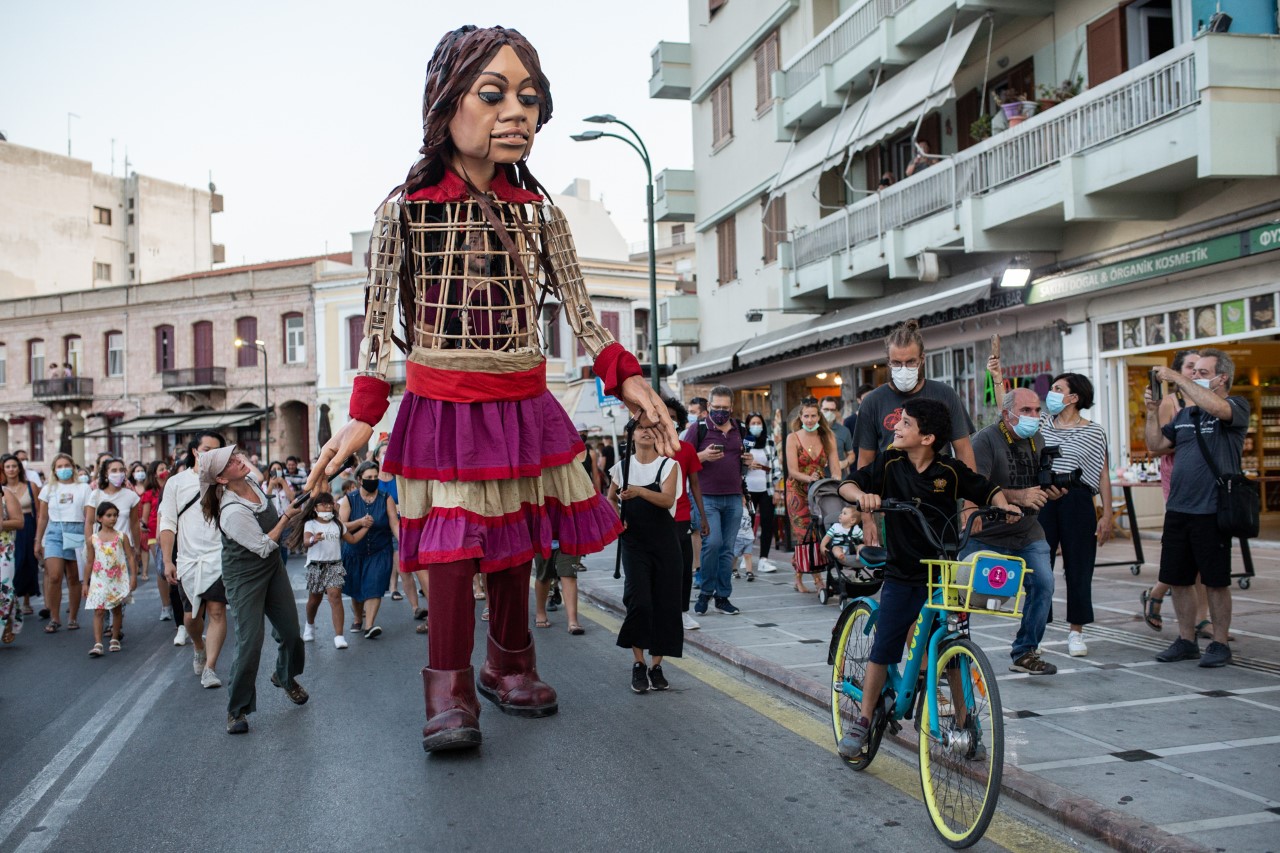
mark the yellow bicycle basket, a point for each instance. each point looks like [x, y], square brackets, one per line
[987, 583]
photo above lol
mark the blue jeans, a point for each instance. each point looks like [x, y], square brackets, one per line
[724, 514]
[1039, 587]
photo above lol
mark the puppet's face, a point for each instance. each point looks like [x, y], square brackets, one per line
[497, 116]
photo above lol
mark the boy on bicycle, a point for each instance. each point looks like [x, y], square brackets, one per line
[911, 469]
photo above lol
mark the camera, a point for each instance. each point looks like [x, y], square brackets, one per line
[1047, 478]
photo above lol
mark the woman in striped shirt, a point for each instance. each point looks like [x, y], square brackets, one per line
[1071, 522]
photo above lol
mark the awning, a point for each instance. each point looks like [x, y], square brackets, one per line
[890, 106]
[708, 362]
[887, 311]
[177, 422]
[923, 85]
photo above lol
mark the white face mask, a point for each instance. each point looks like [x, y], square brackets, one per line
[139, 476]
[830, 416]
[1203, 383]
[905, 378]
[116, 478]
[324, 516]
[83, 478]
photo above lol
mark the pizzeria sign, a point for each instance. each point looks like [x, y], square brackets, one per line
[1228, 247]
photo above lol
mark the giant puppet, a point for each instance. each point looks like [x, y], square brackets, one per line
[488, 464]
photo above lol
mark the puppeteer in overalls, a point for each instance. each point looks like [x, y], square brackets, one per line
[487, 461]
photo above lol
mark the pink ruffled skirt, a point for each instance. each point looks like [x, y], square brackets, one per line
[494, 481]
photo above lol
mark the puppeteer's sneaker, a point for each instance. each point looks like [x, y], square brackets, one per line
[209, 679]
[339, 642]
[1075, 644]
[690, 624]
[180, 638]
[308, 633]
[166, 613]
[766, 567]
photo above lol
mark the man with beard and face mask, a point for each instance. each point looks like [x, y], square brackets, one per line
[830, 408]
[192, 550]
[882, 408]
[1008, 454]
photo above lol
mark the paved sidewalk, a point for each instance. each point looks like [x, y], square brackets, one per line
[1142, 754]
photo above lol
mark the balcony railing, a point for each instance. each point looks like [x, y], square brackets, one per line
[844, 36]
[1109, 112]
[68, 388]
[194, 378]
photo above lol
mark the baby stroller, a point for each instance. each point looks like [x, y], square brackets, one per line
[841, 581]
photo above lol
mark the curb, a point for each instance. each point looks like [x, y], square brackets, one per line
[1119, 831]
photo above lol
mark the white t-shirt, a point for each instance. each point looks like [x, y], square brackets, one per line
[198, 540]
[66, 501]
[34, 478]
[125, 500]
[757, 478]
[644, 473]
[328, 549]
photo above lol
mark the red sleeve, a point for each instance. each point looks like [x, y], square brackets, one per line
[370, 397]
[689, 460]
[614, 365]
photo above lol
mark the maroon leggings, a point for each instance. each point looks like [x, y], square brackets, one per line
[453, 611]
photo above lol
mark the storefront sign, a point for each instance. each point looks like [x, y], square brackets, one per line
[604, 400]
[1228, 247]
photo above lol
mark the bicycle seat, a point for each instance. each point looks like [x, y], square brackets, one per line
[872, 556]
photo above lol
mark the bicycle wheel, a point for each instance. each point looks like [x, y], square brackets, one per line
[852, 650]
[960, 769]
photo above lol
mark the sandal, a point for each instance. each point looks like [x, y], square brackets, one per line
[420, 614]
[1151, 610]
[114, 646]
[73, 625]
[484, 615]
[751, 576]
[7, 637]
[421, 629]
[96, 651]
[397, 595]
[1204, 629]
[576, 630]
[52, 627]
[542, 623]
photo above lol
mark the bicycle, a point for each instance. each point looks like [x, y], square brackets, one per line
[955, 699]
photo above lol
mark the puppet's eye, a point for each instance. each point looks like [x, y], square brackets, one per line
[530, 100]
[491, 97]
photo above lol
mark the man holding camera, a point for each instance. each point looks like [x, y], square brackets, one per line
[1008, 454]
[1192, 543]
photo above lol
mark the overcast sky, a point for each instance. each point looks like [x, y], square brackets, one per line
[307, 114]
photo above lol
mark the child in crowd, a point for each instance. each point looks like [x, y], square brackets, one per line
[844, 538]
[911, 469]
[743, 544]
[111, 576]
[321, 536]
[650, 557]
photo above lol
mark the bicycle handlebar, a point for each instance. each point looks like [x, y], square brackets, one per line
[913, 508]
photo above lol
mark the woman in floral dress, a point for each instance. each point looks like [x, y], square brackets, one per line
[811, 448]
[10, 608]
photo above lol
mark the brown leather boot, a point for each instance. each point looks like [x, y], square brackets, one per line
[510, 680]
[453, 711]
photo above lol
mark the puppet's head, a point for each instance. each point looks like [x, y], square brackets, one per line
[471, 108]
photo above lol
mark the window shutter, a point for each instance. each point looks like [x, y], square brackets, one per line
[247, 331]
[612, 321]
[203, 335]
[968, 110]
[355, 336]
[1105, 44]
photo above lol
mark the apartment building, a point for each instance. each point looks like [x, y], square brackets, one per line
[68, 228]
[617, 278]
[142, 367]
[1118, 161]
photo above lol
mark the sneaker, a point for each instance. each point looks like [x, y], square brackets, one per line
[181, 638]
[339, 642]
[209, 679]
[198, 661]
[723, 605]
[375, 632]
[1180, 649]
[1075, 644]
[237, 725]
[1032, 664]
[294, 691]
[1216, 654]
[166, 614]
[700, 606]
[690, 624]
[766, 567]
[639, 677]
[855, 738]
[308, 633]
[657, 680]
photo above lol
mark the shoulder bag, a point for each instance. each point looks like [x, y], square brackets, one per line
[1239, 499]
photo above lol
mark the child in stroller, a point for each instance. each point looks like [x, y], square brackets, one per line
[849, 566]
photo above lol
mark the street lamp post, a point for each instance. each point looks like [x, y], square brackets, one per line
[639, 147]
[266, 403]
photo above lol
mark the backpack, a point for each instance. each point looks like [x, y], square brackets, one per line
[747, 439]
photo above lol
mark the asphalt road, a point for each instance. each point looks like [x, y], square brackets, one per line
[129, 753]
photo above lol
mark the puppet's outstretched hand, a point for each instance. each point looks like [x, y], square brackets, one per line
[352, 437]
[641, 398]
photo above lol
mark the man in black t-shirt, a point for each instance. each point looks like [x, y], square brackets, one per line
[607, 457]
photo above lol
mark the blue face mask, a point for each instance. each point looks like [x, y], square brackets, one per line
[1054, 403]
[63, 474]
[756, 430]
[1026, 426]
[1203, 383]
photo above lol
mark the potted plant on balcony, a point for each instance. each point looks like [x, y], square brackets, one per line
[1051, 96]
[1016, 107]
[980, 128]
